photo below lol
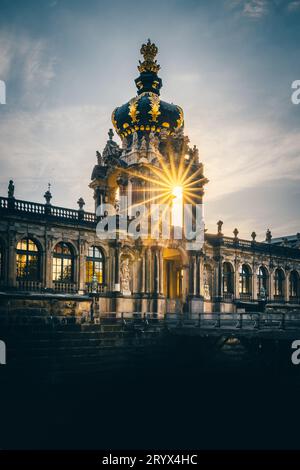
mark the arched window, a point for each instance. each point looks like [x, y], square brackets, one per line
[228, 279]
[1, 262]
[262, 281]
[245, 280]
[63, 263]
[279, 282]
[294, 284]
[28, 260]
[95, 265]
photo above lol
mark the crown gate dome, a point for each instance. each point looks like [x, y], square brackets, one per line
[146, 112]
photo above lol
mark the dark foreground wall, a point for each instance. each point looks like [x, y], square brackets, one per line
[82, 387]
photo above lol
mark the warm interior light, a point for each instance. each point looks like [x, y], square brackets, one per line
[177, 192]
[177, 206]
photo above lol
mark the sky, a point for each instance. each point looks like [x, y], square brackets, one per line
[229, 63]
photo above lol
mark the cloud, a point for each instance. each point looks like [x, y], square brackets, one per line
[255, 8]
[28, 64]
[251, 8]
[294, 6]
[51, 145]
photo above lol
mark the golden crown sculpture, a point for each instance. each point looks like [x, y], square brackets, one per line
[149, 52]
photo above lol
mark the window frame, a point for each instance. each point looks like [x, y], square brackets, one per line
[95, 259]
[62, 257]
[27, 253]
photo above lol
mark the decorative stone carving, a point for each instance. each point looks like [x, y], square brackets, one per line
[135, 142]
[153, 142]
[125, 276]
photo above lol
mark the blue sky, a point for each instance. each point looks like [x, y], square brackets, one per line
[229, 63]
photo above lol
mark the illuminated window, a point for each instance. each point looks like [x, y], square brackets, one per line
[95, 265]
[294, 284]
[28, 260]
[63, 263]
[279, 282]
[228, 279]
[245, 279]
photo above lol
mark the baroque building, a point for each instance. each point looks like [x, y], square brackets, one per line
[57, 261]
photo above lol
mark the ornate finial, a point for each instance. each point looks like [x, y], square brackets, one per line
[11, 189]
[253, 236]
[48, 195]
[235, 233]
[149, 52]
[268, 236]
[219, 224]
[110, 134]
[81, 203]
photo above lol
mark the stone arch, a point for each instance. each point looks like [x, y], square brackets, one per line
[279, 283]
[174, 260]
[262, 277]
[245, 280]
[228, 278]
[294, 285]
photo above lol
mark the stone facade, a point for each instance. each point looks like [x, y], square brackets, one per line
[53, 259]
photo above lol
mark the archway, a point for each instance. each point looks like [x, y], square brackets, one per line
[173, 274]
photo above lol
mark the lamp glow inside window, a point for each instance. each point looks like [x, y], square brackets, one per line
[177, 208]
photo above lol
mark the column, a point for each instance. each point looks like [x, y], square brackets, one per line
[143, 283]
[148, 269]
[161, 272]
[236, 279]
[271, 284]
[48, 280]
[254, 281]
[287, 285]
[81, 266]
[117, 286]
[156, 272]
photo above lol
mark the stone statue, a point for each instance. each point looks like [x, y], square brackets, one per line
[100, 160]
[134, 146]
[153, 142]
[219, 225]
[143, 148]
[11, 189]
[125, 276]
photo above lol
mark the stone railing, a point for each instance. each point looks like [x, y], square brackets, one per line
[32, 286]
[34, 209]
[90, 288]
[228, 297]
[246, 297]
[65, 287]
[254, 246]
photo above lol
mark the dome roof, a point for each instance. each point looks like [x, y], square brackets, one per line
[146, 112]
